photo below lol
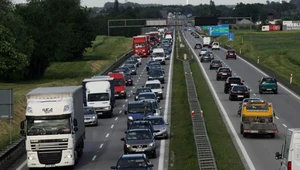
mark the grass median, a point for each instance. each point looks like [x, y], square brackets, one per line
[277, 50]
[95, 60]
[182, 145]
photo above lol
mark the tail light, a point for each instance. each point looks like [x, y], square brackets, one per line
[227, 82]
[260, 85]
[229, 73]
[220, 73]
[233, 91]
[221, 65]
[289, 165]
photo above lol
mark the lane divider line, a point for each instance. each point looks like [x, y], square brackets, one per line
[95, 156]
[112, 126]
[107, 135]
[101, 146]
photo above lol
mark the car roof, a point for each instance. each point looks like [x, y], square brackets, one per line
[147, 93]
[154, 117]
[234, 77]
[136, 102]
[138, 130]
[133, 156]
[152, 82]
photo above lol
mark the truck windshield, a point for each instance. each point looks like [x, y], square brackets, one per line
[139, 108]
[153, 86]
[157, 54]
[139, 45]
[48, 127]
[98, 97]
[119, 82]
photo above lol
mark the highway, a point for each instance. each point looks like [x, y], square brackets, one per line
[103, 146]
[259, 152]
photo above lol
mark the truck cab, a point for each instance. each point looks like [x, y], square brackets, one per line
[138, 110]
[99, 94]
[158, 54]
[140, 45]
[257, 117]
[206, 41]
[120, 84]
[290, 150]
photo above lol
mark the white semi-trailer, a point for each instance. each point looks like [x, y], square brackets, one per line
[54, 126]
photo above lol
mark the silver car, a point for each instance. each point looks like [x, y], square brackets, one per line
[90, 116]
[132, 68]
[160, 126]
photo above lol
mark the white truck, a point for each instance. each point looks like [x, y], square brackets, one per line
[158, 54]
[290, 151]
[55, 130]
[206, 41]
[98, 92]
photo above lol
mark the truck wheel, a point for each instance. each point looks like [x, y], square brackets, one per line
[241, 129]
[272, 135]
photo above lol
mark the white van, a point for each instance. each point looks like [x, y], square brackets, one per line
[158, 54]
[206, 41]
[215, 46]
[155, 87]
[290, 151]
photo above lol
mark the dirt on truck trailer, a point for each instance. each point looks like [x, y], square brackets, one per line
[257, 117]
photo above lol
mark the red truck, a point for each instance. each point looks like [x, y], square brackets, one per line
[120, 84]
[140, 45]
[154, 37]
[169, 33]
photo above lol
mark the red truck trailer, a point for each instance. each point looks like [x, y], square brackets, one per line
[140, 45]
[154, 37]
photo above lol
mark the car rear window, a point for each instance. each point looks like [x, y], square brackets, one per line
[237, 88]
[216, 61]
[235, 80]
[269, 80]
[224, 70]
[231, 51]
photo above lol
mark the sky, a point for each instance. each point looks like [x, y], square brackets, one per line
[100, 3]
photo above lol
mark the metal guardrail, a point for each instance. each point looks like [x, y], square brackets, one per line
[206, 158]
[13, 152]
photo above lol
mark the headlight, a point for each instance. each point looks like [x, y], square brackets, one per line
[160, 92]
[156, 114]
[122, 91]
[152, 144]
[127, 145]
[136, 97]
[161, 77]
[66, 108]
[150, 77]
[94, 117]
[107, 108]
[69, 156]
[31, 158]
[130, 117]
[163, 130]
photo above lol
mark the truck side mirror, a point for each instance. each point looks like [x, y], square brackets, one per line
[278, 155]
[122, 139]
[22, 125]
[22, 132]
[75, 122]
[125, 112]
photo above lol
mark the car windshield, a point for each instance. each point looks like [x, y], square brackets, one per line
[215, 43]
[141, 45]
[234, 80]
[157, 54]
[130, 62]
[131, 163]
[139, 108]
[152, 39]
[140, 126]
[204, 50]
[130, 66]
[231, 52]
[269, 80]
[146, 96]
[155, 73]
[224, 70]
[258, 107]
[88, 111]
[138, 91]
[157, 121]
[120, 82]
[246, 100]
[124, 69]
[240, 88]
[165, 42]
[153, 86]
[139, 135]
[216, 62]
[93, 97]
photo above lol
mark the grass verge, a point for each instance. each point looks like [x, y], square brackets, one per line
[182, 145]
[277, 50]
[224, 150]
[95, 60]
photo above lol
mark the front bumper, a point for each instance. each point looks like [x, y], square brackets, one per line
[143, 148]
[90, 121]
[264, 89]
[120, 94]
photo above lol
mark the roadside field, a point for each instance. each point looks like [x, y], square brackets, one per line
[277, 50]
[182, 145]
[96, 59]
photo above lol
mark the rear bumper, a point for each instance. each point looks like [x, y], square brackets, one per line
[239, 96]
[230, 56]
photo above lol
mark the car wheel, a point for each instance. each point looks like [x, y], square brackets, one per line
[225, 91]
[235, 58]
[241, 129]
[154, 154]
[230, 98]
[226, 58]
[275, 92]
[201, 61]
[111, 114]
[260, 92]
[210, 68]
[272, 135]
[217, 79]
[125, 96]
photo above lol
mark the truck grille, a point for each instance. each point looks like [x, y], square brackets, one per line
[49, 145]
[51, 157]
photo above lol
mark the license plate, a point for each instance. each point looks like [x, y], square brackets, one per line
[269, 89]
[116, 95]
[50, 166]
[224, 74]
[100, 113]
[240, 96]
[139, 150]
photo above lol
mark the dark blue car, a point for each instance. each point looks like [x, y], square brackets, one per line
[133, 162]
[138, 110]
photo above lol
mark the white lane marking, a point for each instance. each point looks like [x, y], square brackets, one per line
[101, 146]
[112, 126]
[254, 94]
[137, 80]
[117, 117]
[131, 91]
[128, 96]
[163, 142]
[22, 165]
[225, 114]
[133, 87]
[276, 117]
[284, 125]
[123, 105]
[263, 73]
[107, 135]
[95, 156]
[126, 100]
[119, 112]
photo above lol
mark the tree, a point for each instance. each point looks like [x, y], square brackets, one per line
[116, 6]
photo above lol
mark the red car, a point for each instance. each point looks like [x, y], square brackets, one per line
[230, 54]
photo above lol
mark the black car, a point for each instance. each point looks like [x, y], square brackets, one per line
[215, 64]
[140, 141]
[223, 73]
[150, 62]
[128, 79]
[141, 90]
[232, 81]
[132, 61]
[141, 124]
[206, 58]
[133, 161]
[125, 70]
[155, 67]
[239, 92]
[156, 75]
[198, 46]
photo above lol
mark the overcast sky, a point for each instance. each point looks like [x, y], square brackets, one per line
[100, 3]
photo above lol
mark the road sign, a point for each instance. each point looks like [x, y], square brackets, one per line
[205, 28]
[6, 104]
[231, 36]
[219, 30]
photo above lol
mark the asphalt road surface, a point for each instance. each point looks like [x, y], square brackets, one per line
[260, 149]
[103, 146]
